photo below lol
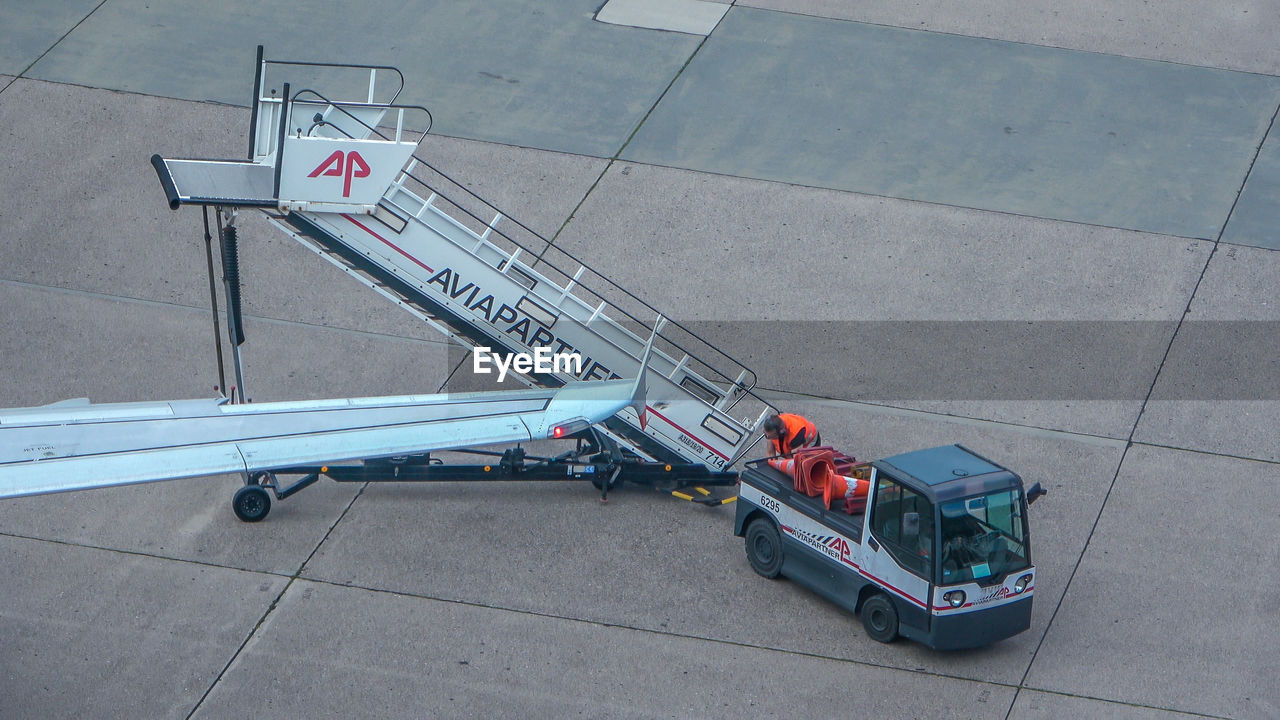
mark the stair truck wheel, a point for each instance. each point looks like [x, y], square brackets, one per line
[251, 503]
[764, 548]
[880, 618]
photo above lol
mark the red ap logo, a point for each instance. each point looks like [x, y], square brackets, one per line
[348, 166]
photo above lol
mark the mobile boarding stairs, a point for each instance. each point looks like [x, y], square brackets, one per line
[343, 178]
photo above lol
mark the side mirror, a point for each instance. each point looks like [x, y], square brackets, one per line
[1035, 493]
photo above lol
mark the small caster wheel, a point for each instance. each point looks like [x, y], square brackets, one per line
[604, 475]
[251, 503]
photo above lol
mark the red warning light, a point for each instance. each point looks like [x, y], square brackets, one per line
[568, 429]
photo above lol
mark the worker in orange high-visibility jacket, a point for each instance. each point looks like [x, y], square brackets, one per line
[787, 433]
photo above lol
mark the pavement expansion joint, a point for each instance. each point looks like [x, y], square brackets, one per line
[139, 553]
[1137, 421]
[441, 342]
[63, 37]
[867, 193]
[1210, 453]
[276, 601]
[651, 631]
[1075, 569]
[882, 409]
[1244, 181]
[1109, 701]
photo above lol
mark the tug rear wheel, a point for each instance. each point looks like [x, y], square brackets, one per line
[251, 503]
[764, 548]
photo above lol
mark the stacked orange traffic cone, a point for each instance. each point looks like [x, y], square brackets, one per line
[813, 468]
[848, 489]
[784, 465]
[809, 472]
[814, 474]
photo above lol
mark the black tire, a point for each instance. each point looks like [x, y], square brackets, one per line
[880, 618]
[251, 503]
[764, 548]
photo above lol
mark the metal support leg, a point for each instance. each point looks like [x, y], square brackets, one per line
[231, 284]
[604, 487]
[213, 303]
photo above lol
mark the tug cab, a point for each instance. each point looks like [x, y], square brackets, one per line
[940, 552]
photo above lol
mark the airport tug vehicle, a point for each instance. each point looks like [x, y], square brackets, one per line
[932, 545]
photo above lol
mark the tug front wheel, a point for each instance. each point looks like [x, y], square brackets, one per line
[764, 548]
[251, 503]
[880, 618]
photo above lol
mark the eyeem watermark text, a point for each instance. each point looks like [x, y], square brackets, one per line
[541, 360]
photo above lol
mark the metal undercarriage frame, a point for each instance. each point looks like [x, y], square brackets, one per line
[594, 458]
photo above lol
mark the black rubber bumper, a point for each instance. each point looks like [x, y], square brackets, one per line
[166, 181]
[981, 627]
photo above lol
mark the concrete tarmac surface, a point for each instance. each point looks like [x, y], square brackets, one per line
[1049, 233]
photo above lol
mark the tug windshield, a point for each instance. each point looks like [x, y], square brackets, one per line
[983, 537]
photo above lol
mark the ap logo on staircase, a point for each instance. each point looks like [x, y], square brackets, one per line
[312, 165]
[346, 165]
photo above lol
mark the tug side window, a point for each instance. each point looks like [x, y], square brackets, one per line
[903, 521]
